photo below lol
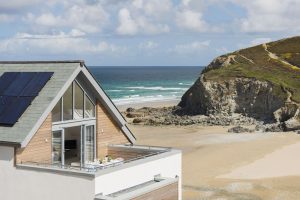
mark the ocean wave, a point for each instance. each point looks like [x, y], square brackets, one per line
[156, 88]
[189, 84]
[142, 99]
[114, 90]
[132, 96]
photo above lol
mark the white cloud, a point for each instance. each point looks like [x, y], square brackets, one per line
[148, 45]
[17, 4]
[270, 15]
[191, 48]
[189, 16]
[56, 44]
[127, 25]
[46, 19]
[258, 41]
[157, 8]
[144, 17]
[89, 18]
[191, 20]
[222, 50]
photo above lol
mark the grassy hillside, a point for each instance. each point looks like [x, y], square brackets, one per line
[277, 62]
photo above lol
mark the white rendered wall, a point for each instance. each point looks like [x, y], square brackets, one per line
[22, 184]
[34, 184]
[169, 166]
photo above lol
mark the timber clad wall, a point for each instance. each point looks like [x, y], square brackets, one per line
[39, 147]
[107, 131]
[169, 192]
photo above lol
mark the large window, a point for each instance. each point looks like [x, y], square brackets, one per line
[89, 143]
[79, 101]
[68, 104]
[56, 112]
[89, 108]
[75, 104]
[57, 147]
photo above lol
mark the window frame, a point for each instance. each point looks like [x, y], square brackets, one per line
[85, 95]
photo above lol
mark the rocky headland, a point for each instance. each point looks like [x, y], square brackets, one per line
[258, 86]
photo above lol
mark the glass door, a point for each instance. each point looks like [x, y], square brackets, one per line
[74, 145]
[89, 154]
[57, 147]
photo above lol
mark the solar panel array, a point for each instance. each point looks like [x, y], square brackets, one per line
[17, 91]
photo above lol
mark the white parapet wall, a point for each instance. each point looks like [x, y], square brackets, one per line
[24, 182]
[131, 174]
[37, 184]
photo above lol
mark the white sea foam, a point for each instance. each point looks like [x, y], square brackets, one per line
[156, 88]
[142, 99]
[114, 90]
[189, 84]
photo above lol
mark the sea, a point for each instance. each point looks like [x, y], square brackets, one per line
[130, 85]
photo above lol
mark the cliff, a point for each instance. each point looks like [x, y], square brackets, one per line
[262, 82]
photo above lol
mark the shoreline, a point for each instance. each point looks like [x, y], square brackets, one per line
[153, 104]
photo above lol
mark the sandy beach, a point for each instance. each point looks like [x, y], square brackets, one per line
[154, 104]
[220, 166]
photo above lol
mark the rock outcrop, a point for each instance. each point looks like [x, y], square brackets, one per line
[256, 86]
[247, 96]
[262, 82]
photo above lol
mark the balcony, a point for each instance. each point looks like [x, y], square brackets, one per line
[117, 155]
[131, 167]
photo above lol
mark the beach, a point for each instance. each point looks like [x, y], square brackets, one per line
[221, 165]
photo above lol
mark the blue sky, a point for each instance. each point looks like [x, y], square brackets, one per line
[141, 32]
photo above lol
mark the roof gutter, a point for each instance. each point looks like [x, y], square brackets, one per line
[13, 144]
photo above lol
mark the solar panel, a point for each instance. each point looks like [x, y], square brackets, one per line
[6, 79]
[14, 110]
[18, 84]
[36, 84]
[17, 91]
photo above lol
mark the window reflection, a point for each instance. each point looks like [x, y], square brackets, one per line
[78, 108]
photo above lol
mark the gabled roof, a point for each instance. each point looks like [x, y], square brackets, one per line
[64, 73]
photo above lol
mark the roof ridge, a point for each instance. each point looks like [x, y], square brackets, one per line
[42, 61]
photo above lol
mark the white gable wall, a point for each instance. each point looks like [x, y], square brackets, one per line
[18, 183]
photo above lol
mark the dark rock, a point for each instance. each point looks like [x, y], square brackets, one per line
[274, 128]
[260, 127]
[292, 124]
[138, 120]
[239, 129]
[130, 109]
[134, 115]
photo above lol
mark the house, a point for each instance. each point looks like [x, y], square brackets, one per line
[61, 137]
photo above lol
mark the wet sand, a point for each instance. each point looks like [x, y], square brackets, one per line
[220, 166]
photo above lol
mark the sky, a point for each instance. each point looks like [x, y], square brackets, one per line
[141, 32]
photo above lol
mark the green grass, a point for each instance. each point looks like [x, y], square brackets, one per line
[266, 69]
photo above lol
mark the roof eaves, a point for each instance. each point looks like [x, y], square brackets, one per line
[43, 62]
[111, 107]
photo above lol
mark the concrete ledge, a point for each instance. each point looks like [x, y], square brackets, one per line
[139, 190]
[99, 172]
[56, 170]
[138, 162]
